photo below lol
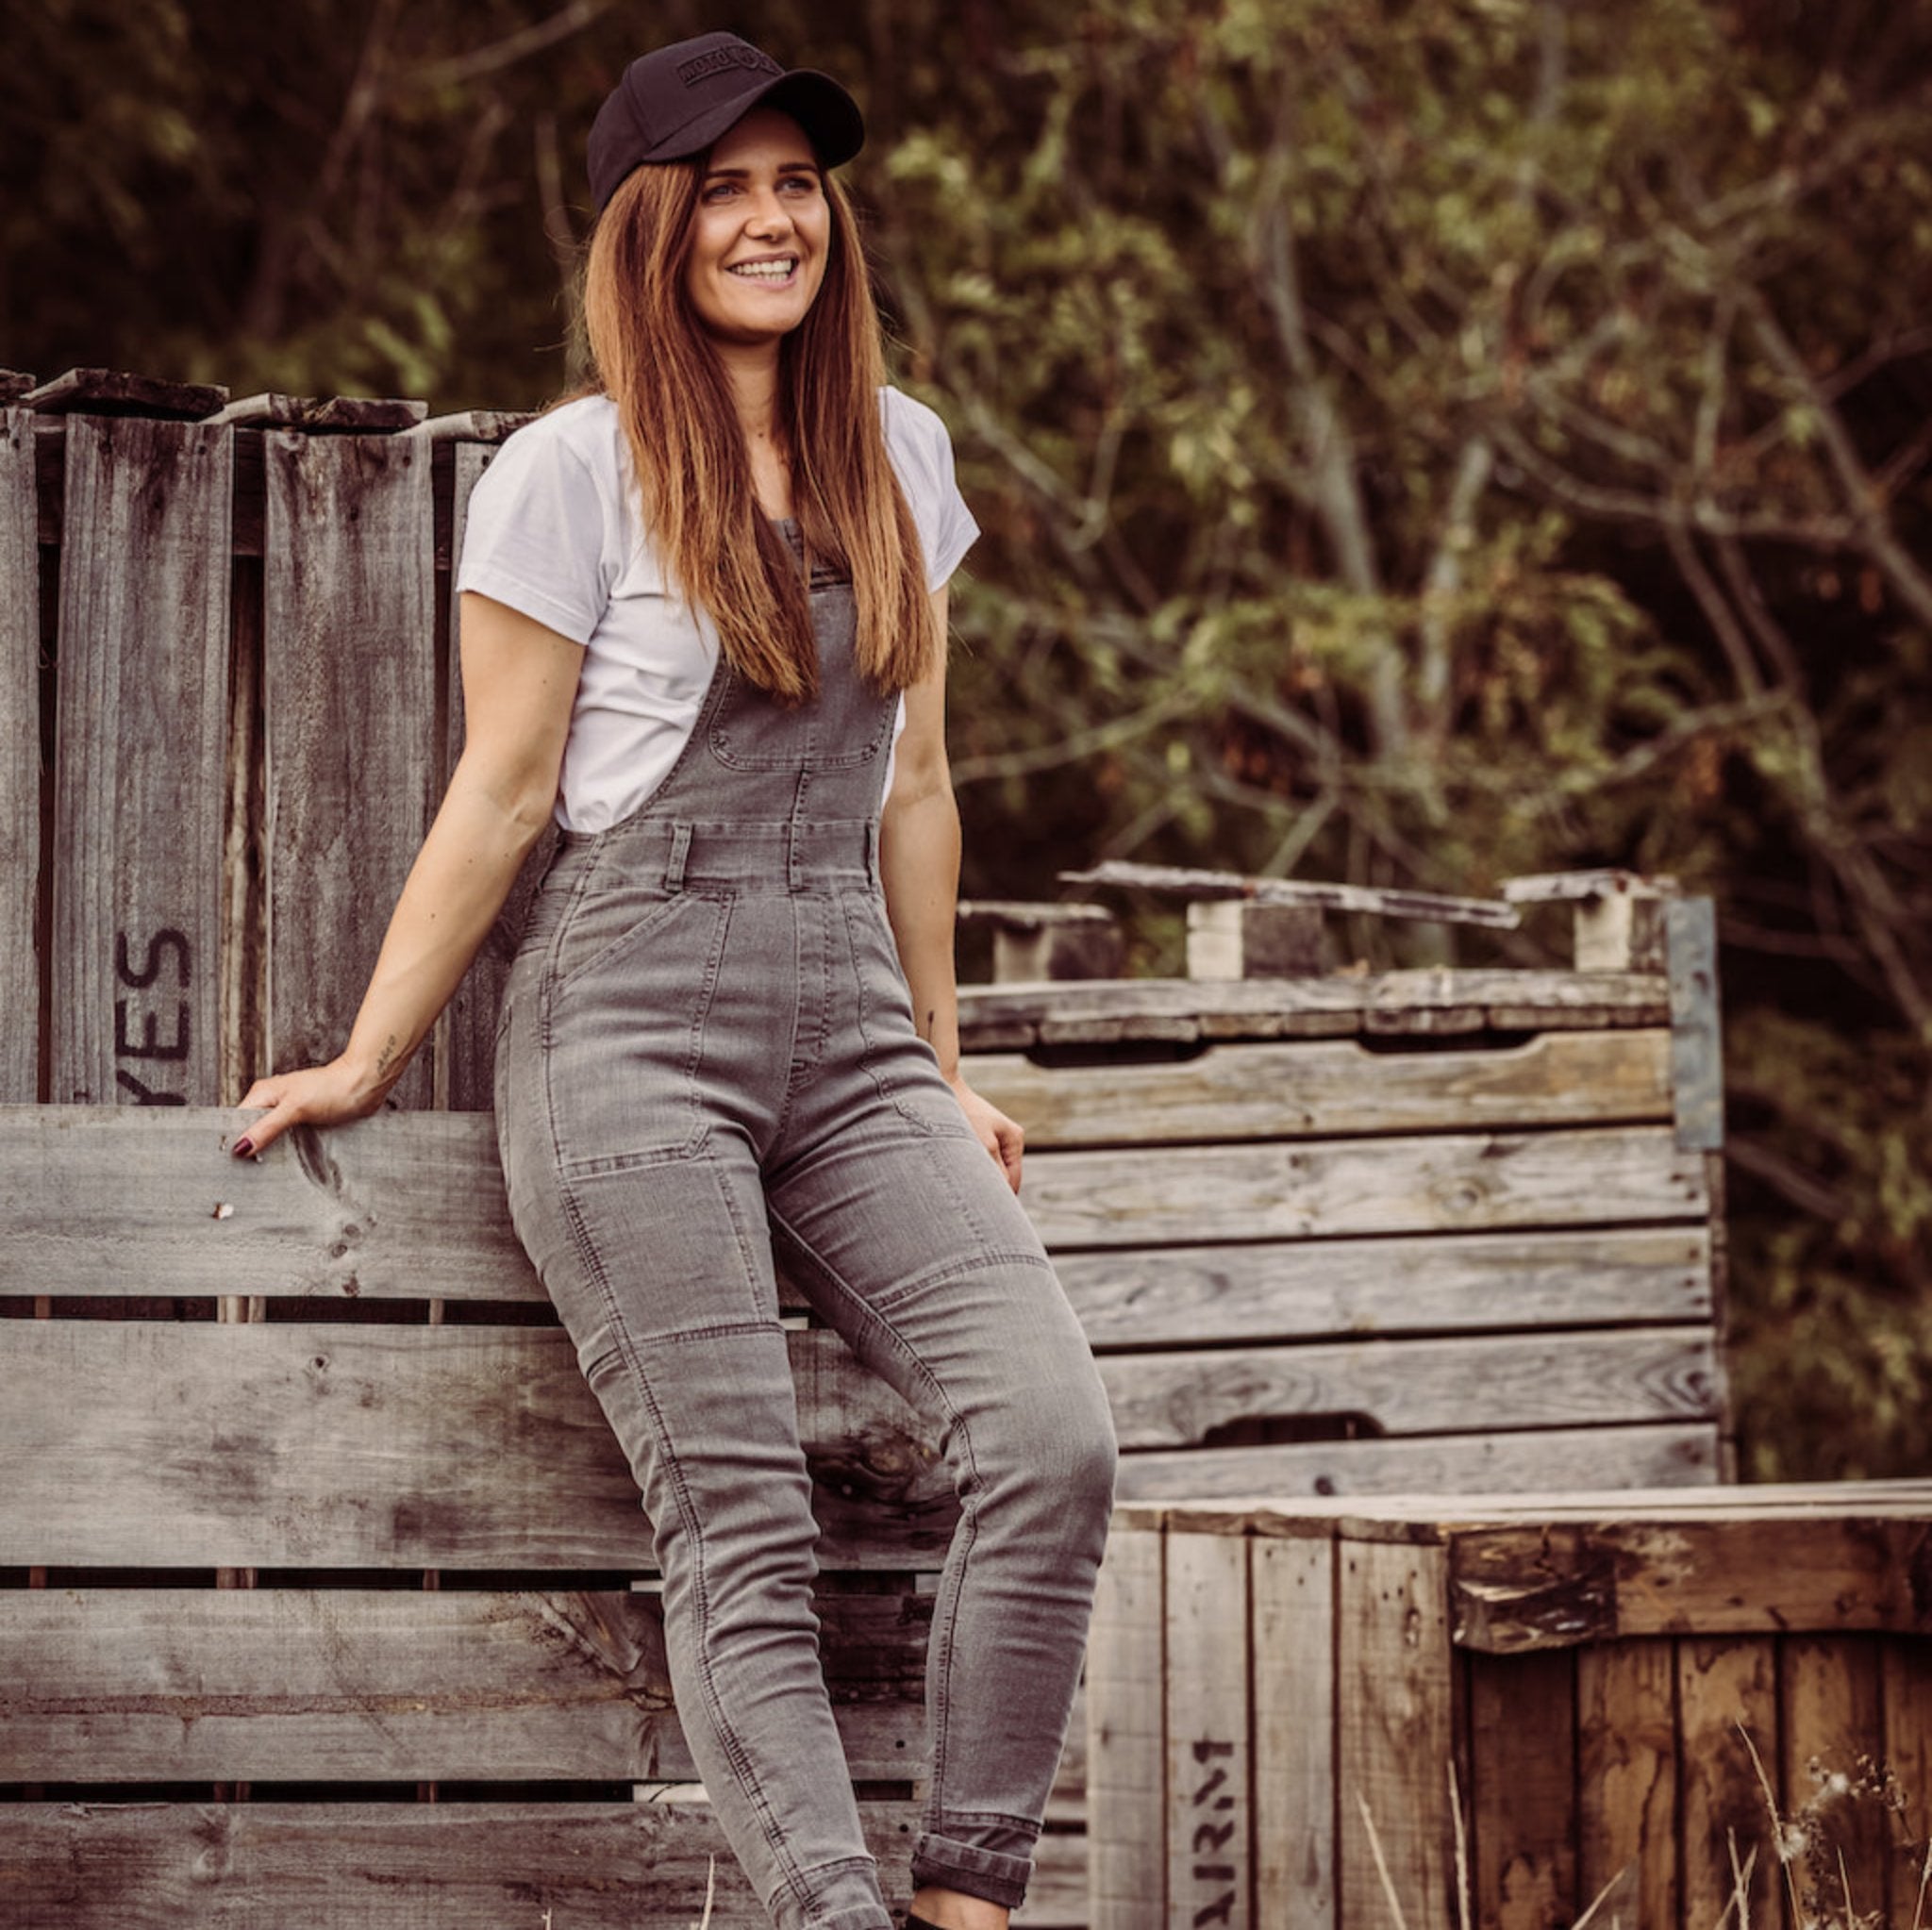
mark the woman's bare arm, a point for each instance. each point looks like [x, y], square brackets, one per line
[520, 681]
[919, 866]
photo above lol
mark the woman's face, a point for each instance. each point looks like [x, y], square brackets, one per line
[761, 233]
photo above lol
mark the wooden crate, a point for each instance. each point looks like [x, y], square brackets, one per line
[1436, 1231]
[1454, 1229]
[1495, 1711]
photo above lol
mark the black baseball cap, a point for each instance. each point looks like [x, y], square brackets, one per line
[675, 102]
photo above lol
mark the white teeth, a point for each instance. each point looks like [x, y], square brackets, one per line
[766, 271]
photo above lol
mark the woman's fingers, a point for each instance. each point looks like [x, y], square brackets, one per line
[1003, 1137]
[280, 1112]
[1009, 1141]
[273, 1122]
[319, 1095]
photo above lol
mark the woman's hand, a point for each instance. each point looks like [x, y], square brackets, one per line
[1002, 1136]
[318, 1095]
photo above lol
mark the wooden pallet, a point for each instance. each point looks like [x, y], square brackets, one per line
[1322, 1715]
[1421, 1230]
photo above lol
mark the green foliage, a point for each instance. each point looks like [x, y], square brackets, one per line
[1834, 1351]
[1418, 441]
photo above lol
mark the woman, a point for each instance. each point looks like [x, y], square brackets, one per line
[703, 616]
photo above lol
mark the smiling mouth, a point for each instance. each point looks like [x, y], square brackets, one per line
[782, 270]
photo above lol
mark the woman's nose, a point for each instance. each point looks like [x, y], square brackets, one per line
[769, 215]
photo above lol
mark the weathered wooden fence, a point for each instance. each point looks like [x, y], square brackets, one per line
[309, 1512]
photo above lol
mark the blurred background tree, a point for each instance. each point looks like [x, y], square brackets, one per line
[1419, 442]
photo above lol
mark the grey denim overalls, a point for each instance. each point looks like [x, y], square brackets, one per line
[707, 1051]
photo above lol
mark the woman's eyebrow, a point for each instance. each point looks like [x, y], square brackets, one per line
[745, 173]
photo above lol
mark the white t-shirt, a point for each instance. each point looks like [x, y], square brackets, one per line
[553, 531]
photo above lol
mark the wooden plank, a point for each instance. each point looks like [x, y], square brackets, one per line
[19, 760]
[1716, 1183]
[366, 1446]
[1437, 1183]
[1799, 1501]
[1627, 1773]
[470, 1040]
[1127, 1731]
[1066, 1802]
[1435, 1464]
[14, 383]
[409, 1207]
[358, 1684]
[1056, 1896]
[1522, 1800]
[1562, 887]
[111, 392]
[1906, 1682]
[1279, 1289]
[1832, 1741]
[1209, 1815]
[1134, 1008]
[1547, 1585]
[1413, 1386]
[1393, 1735]
[323, 414]
[392, 1866]
[1696, 1040]
[350, 697]
[1439, 1519]
[1031, 914]
[427, 1204]
[1293, 1593]
[140, 764]
[1727, 1690]
[1178, 881]
[473, 425]
[1315, 1088]
[489, 1451]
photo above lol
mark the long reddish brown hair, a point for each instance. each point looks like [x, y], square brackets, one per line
[651, 356]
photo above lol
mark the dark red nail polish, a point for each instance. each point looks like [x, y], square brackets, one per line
[244, 1149]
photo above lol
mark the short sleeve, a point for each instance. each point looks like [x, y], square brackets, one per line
[922, 454]
[535, 532]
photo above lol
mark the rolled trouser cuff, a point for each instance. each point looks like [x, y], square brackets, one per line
[994, 1865]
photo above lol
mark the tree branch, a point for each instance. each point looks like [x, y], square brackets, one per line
[1113, 734]
[1444, 579]
[506, 52]
[1808, 1194]
[1717, 612]
[1866, 500]
[1830, 535]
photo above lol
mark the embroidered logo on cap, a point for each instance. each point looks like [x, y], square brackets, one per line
[719, 58]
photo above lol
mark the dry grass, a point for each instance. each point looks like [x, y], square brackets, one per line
[710, 1897]
[1802, 1841]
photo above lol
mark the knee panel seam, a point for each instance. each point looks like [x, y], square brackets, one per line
[729, 1738]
